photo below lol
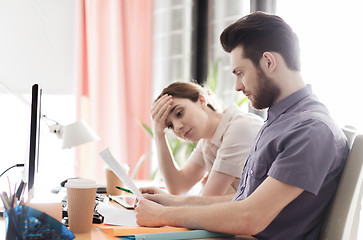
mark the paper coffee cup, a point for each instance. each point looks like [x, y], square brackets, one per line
[81, 195]
[112, 181]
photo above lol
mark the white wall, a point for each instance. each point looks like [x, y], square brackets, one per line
[37, 45]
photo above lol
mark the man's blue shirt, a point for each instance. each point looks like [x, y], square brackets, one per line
[300, 145]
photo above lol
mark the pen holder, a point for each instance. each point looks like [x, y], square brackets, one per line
[23, 223]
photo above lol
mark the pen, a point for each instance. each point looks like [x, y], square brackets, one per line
[5, 199]
[13, 197]
[19, 190]
[124, 189]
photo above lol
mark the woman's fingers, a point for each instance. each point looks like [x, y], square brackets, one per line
[160, 106]
[160, 111]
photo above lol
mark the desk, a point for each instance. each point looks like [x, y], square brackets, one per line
[96, 234]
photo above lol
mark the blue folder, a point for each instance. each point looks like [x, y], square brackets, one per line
[192, 234]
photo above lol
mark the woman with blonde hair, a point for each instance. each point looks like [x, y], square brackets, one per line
[224, 139]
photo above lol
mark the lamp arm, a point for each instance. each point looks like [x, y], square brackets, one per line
[55, 127]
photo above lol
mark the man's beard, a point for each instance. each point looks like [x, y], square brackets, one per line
[267, 92]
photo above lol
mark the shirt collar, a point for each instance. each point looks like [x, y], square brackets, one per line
[280, 107]
[223, 124]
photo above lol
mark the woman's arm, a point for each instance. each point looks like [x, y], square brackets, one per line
[177, 181]
[218, 183]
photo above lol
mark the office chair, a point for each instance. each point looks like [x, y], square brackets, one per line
[342, 220]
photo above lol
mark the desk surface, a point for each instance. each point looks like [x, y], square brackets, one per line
[97, 234]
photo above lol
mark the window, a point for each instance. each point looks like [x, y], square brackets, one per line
[222, 15]
[172, 42]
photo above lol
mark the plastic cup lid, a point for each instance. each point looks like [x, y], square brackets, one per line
[80, 183]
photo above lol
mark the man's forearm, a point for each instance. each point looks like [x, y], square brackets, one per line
[204, 200]
[221, 217]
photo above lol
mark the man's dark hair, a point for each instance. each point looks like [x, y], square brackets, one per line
[260, 32]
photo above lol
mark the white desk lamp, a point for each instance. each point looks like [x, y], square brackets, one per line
[73, 134]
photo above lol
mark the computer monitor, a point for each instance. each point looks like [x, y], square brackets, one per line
[34, 134]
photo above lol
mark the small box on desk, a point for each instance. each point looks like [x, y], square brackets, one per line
[23, 222]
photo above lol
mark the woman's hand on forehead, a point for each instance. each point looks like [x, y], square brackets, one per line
[160, 111]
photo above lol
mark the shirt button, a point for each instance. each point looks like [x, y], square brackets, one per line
[251, 171]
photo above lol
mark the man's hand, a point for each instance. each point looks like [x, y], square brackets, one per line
[149, 214]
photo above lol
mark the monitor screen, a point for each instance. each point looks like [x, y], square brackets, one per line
[34, 134]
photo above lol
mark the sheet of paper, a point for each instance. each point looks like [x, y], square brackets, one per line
[116, 167]
[117, 216]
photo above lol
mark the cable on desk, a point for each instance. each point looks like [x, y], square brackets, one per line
[16, 165]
